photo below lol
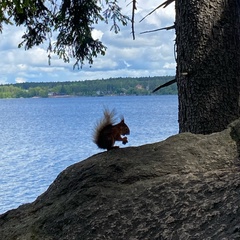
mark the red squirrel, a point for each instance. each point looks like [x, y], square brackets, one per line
[106, 133]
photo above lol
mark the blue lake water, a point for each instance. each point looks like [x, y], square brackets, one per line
[41, 137]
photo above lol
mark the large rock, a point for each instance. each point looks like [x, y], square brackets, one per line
[186, 187]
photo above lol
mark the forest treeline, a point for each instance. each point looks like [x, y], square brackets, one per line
[103, 87]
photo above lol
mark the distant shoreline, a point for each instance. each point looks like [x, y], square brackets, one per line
[106, 87]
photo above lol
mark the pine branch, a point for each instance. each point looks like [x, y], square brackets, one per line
[134, 7]
[159, 29]
[165, 4]
[165, 85]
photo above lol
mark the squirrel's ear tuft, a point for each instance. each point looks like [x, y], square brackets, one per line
[122, 118]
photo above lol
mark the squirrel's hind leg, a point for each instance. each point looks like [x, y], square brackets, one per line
[113, 147]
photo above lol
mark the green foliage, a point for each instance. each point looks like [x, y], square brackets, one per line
[104, 87]
[69, 22]
[74, 21]
[114, 12]
[38, 20]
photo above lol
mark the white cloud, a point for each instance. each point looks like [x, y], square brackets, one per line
[20, 80]
[170, 65]
[149, 55]
[3, 80]
[22, 67]
[97, 34]
[127, 64]
[11, 37]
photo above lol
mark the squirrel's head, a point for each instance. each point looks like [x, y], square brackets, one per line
[124, 128]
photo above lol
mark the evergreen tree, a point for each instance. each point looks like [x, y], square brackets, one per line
[208, 63]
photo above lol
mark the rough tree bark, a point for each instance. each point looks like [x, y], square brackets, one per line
[208, 64]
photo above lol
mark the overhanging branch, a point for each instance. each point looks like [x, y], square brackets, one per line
[159, 29]
[165, 4]
[165, 85]
[134, 7]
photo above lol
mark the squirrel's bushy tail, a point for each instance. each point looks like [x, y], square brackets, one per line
[108, 119]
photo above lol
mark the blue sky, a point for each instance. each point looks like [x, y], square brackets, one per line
[149, 55]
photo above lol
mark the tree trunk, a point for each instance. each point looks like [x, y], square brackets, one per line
[208, 64]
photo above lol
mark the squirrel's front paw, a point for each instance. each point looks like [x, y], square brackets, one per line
[124, 141]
